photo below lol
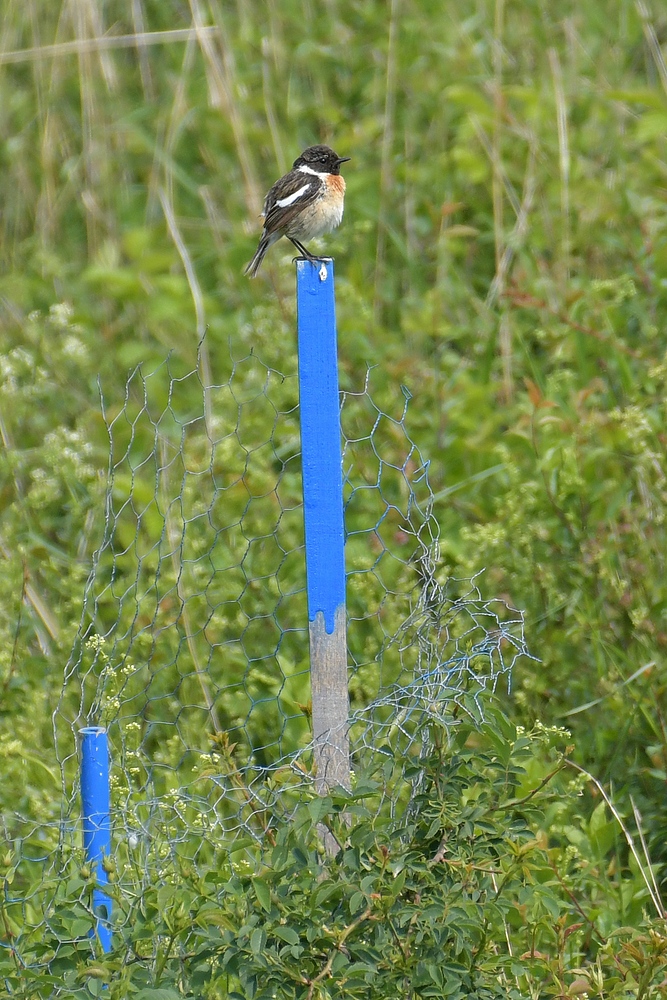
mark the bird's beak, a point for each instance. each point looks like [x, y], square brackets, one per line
[343, 159]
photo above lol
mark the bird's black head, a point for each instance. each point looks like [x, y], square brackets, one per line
[322, 159]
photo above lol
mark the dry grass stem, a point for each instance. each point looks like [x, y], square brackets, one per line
[648, 882]
[198, 301]
[220, 72]
[563, 157]
[386, 171]
[103, 42]
[652, 42]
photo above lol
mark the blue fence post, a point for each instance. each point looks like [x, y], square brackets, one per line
[319, 407]
[97, 820]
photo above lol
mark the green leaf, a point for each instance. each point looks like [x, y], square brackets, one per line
[80, 927]
[300, 856]
[326, 890]
[286, 934]
[639, 95]
[263, 894]
[357, 902]
[257, 940]
[602, 831]
[652, 125]
[435, 973]
[319, 807]
[470, 98]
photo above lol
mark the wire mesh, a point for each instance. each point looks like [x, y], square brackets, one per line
[193, 644]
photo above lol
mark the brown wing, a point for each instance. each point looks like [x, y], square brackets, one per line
[287, 198]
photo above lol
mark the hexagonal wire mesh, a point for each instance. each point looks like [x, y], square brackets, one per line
[193, 644]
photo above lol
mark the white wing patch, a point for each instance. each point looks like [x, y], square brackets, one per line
[291, 198]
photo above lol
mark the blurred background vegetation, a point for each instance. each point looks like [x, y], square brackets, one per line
[503, 254]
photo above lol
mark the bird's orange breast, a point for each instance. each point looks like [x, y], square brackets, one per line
[336, 183]
[322, 215]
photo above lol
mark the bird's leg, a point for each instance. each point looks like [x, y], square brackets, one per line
[305, 253]
[300, 247]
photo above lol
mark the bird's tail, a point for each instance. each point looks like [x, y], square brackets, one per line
[253, 267]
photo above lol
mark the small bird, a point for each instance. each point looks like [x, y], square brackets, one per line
[305, 203]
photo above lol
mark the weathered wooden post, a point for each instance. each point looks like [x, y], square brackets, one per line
[323, 517]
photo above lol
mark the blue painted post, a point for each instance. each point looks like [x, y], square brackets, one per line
[319, 407]
[97, 819]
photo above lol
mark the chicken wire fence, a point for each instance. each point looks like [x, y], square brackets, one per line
[193, 645]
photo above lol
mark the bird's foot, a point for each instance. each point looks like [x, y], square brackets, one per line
[311, 258]
[315, 261]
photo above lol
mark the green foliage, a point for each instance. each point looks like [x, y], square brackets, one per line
[480, 886]
[511, 250]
